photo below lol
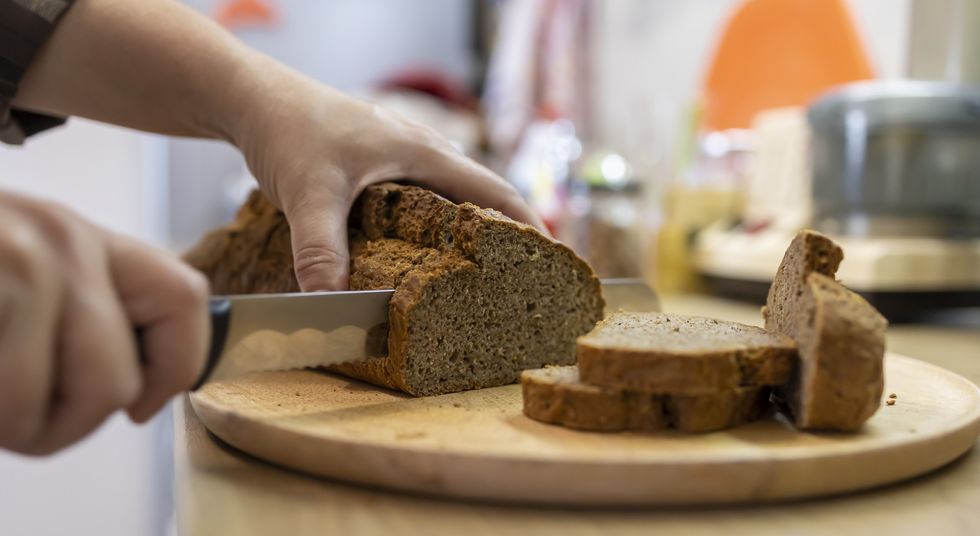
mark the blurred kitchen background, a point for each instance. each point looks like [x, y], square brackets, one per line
[668, 140]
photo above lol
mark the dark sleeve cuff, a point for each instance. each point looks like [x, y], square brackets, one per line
[23, 124]
[24, 27]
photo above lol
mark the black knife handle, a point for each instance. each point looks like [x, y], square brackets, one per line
[220, 311]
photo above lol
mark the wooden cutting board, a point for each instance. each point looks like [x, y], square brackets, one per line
[477, 444]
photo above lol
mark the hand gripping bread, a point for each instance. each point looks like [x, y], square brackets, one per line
[478, 297]
[662, 353]
[841, 338]
[555, 395]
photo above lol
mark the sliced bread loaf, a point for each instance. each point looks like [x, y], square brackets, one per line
[663, 353]
[555, 395]
[841, 338]
[478, 297]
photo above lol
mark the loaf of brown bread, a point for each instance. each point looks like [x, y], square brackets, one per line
[663, 353]
[478, 297]
[841, 338]
[555, 395]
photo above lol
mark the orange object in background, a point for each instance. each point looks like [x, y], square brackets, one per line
[776, 53]
[235, 14]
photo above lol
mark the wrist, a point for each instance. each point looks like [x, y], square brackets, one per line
[235, 98]
[255, 103]
[272, 113]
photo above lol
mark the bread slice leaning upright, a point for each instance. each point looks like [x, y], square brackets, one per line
[555, 395]
[478, 297]
[841, 338]
[809, 252]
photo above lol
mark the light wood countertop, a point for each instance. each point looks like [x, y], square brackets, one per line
[219, 491]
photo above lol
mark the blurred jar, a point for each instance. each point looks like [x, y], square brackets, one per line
[540, 167]
[709, 188]
[604, 220]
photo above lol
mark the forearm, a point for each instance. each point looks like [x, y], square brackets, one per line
[152, 65]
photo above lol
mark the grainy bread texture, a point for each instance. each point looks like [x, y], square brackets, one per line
[663, 353]
[809, 252]
[252, 254]
[556, 395]
[478, 297]
[841, 337]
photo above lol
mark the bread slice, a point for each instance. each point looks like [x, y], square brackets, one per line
[555, 395]
[809, 252]
[842, 345]
[478, 297]
[663, 353]
[841, 338]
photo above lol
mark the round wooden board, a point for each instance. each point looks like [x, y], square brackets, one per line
[478, 444]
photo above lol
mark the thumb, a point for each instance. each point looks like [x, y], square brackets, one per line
[318, 228]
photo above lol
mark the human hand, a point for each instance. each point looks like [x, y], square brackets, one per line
[314, 150]
[70, 296]
[159, 66]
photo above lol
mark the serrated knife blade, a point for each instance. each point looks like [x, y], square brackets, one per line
[263, 332]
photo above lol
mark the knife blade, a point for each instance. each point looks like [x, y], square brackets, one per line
[630, 295]
[261, 332]
[266, 332]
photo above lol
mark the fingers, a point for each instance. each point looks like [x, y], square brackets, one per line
[318, 227]
[29, 295]
[168, 301]
[462, 179]
[70, 296]
[97, 367]
[318, 219]
[314, 172]
[88, 356]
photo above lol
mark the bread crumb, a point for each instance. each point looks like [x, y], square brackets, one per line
[893, 395]
[890, 402]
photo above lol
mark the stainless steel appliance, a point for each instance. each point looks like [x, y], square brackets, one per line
[897, 159]
[894, 176]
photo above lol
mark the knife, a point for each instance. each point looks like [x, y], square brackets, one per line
[265, 332]
[262, 332]
[629, 295]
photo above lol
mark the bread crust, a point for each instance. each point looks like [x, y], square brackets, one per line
[556, 396]
[809, 252]
[841, 375]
